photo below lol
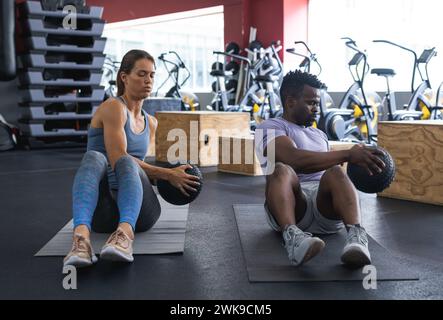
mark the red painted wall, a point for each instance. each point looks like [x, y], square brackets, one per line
[236, 23]
[267, 16]
[284, 20]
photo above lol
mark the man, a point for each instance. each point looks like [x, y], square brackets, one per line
[308, 191]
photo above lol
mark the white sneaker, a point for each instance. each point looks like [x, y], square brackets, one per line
[301, 246]
[356, 251]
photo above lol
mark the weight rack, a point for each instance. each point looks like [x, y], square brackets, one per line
[60, 71]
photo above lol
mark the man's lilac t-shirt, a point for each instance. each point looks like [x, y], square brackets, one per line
[304, 138]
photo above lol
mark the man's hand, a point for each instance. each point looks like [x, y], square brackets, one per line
[183, 181]
[367, 158]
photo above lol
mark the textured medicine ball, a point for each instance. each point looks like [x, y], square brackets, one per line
[379, 181]
[174, 196]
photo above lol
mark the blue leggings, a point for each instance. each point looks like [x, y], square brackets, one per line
[100, 209]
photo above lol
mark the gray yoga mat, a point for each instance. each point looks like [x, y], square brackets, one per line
[267, 261]
[166, 237]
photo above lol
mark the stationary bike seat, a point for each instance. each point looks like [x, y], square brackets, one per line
[383, 72]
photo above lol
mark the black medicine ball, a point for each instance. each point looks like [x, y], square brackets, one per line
[376, 183]
[174, 196]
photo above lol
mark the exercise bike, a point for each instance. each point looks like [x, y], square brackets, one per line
[366, 105]
[109, 82]
[266, 76]
[225, 85]
[338, 124]
[419, 106]
[257, 94]
[355, 119]
[190, 101]
[438, 109]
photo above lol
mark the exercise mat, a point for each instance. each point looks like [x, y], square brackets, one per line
[266, 258]
[166, 237]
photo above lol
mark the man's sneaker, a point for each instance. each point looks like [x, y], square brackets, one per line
[356, 253]
[81, 254]
[118, 248]
[301, 246]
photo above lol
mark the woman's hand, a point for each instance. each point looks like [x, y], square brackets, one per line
[367, 158]
[183, 181]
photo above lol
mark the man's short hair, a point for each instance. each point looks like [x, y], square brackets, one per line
[294, 82]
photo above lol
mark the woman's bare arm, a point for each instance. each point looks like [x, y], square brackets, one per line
[114, 118]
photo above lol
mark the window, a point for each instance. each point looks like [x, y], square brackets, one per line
[194, 35]
[415, 24]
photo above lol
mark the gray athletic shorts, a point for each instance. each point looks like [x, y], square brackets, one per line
[313, 221]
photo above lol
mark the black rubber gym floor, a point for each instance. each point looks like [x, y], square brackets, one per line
[35, 203]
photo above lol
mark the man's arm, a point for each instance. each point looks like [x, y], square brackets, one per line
[306, 161]
[303, 161]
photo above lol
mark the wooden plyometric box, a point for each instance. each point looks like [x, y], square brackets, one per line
[237, 155]
[193, 136]
[417, 148]
[339, 146]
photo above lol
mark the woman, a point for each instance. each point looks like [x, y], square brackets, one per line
[112, 190]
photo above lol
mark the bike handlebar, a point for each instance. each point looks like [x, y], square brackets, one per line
[305, 45]
[177, 66]
[308, 59]
[235, 56]
[410, 51]
[292, 51]
[360, 77]
[397, 45]
[182, 64]
[349, 41]
[351, 44]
